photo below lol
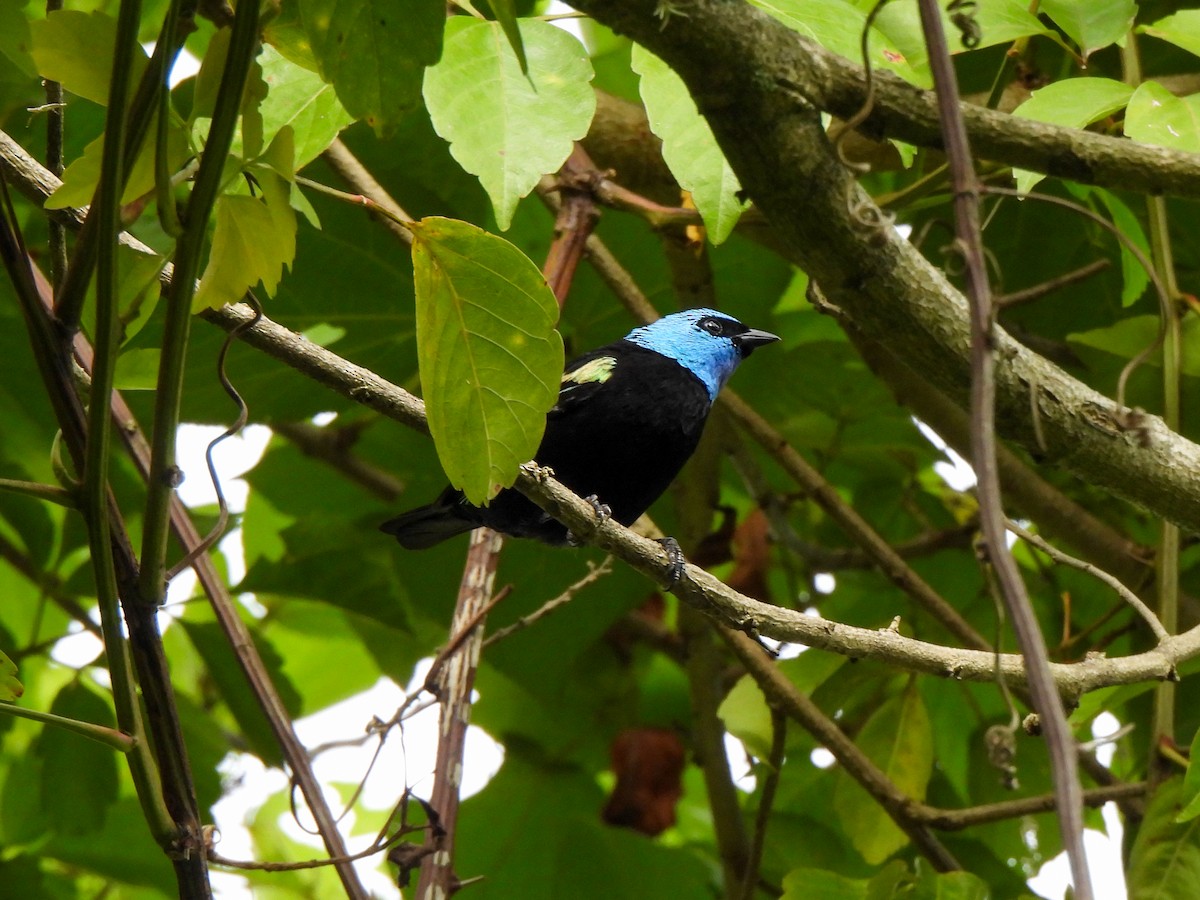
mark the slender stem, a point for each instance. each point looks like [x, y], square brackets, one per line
[110, 737]
[169, 393]
[983, 446]
[96, 498]
[1166, 564]
[49, 492]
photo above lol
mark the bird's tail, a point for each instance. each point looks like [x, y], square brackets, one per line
[425, 526]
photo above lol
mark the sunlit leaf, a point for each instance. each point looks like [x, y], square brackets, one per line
[689, 147]
[82, 175]
[76, 49]
[837, 25]
[1074, 102]
[1181, 29]
[1156, 116]
[505, 127]
[255, 238]
[1091, 24]
[491, 361]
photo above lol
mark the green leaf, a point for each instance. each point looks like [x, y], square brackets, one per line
[744, 709]
[508, 129]
[818, 884]
[373, 52]
[898, 738]
[1156, 116]
[79, 777]
[1189, 795]
[1181, 29]
[933, 885]
[1131, 336]
[76, 48]
[255, 238]
[299, 99]
[1000, 22]
[10, 686]
[1165, 859]
[82, 175]
[1075, 103]
[1092, 24]
[1134, 277]
[837, 25]
[137, 370]
[689, 148]
[490, 359]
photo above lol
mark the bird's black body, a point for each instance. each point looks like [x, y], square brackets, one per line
[627, 419]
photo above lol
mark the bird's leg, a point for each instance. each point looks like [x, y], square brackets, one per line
[676, 561]
[603, 510]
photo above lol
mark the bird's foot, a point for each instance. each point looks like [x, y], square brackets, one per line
[676, 561]
[603, 510]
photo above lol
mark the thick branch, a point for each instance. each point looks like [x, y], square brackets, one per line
[762, 88]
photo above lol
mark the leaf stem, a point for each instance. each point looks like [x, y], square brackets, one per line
[110, 737]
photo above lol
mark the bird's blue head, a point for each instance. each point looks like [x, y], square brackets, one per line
[707, 343]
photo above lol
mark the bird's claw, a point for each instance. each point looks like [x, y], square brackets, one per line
[603, 510]
[676, 561]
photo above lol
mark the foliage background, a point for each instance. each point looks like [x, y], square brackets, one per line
[336, 606]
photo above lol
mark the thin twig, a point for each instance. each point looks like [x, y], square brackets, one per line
[1049, 286]
[595, 572]
[1096, 572]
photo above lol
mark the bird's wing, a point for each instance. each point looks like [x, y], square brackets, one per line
[582, 378]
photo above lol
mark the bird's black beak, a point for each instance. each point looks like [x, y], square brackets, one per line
[748, 340]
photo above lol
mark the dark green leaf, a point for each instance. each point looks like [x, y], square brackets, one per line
[374, 51]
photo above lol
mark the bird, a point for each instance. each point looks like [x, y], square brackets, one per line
[628, 416]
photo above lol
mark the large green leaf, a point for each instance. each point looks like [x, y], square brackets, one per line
[298, 99]
[1156, 116]
[1092, 24]
[1074, 102]
[503, 126]
[898, 739]
[837, 25]
[1182, 29]
[689, 147]
[373, 52]
[76, 49]
[491, 361]
[1164, 863]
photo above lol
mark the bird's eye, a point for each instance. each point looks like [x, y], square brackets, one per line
[712, 326]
